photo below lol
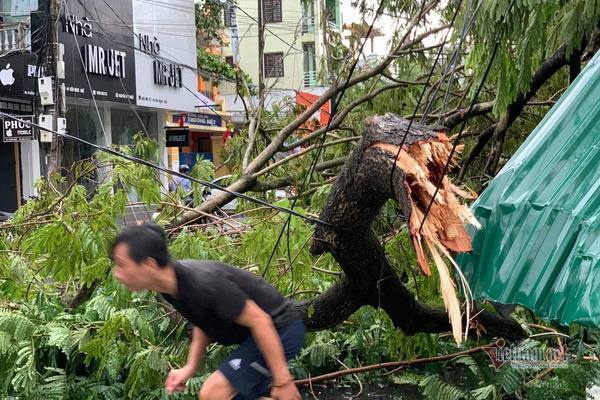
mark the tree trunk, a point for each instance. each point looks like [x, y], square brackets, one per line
[359, 192]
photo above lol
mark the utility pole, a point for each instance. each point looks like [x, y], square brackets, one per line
[54, 110]
[261, 50]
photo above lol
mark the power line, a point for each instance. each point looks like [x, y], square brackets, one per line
[464, 122]
[270, 31]
[87, 78]
[155, 57]
[312, 168]
[175, 173]
[450, 69]
[429, 76]
[122, 85]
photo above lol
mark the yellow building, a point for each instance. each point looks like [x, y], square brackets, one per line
[206, 132]
[206, 138]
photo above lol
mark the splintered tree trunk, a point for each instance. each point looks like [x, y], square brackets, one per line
[359, 192]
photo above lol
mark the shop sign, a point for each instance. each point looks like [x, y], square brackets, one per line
[165, 58]
[18, 75]
[17, 131]
[99, 56]
[177, 137]
[199, 119]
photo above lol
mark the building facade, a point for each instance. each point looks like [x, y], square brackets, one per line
[19, 152]
[129, 66]
[294, 46]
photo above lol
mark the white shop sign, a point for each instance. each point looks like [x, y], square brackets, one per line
[164, 42]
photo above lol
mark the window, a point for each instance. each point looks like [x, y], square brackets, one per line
[308, 16]
[332, 7]
[271, 11]
[273, 65]
[229, 60]
[310, 71]
[227, 16]
[125, 124]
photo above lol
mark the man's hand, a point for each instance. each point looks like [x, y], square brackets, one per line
[178, 378]
[286, 391]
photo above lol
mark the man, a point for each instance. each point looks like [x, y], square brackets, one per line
[225, 305]
[184, 183]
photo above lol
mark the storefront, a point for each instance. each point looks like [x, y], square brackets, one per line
[144, 78]
[99, 75]
[121, 79]
[19, 149]
[164, 82]
[208, 133]
[16, 150]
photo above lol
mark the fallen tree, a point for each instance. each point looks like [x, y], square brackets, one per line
[359, 192]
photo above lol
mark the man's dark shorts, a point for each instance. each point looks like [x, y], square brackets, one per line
[246, 368]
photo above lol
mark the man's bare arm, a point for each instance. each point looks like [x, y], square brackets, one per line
[197, 348]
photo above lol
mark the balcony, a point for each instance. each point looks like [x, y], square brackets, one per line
[310, 78]
[14, 37]
[333, 26]
[308, 23]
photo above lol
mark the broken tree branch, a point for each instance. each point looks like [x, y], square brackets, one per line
[359, 192]
[392, 364]
[303, 152]
[245, 182]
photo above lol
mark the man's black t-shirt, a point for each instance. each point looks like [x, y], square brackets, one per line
[211, 295]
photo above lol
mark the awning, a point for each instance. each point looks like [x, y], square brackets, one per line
[540, 241]
[203, 102]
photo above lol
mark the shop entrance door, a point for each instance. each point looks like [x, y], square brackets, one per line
[8, 178]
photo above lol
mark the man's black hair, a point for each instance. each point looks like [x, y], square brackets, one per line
[146, 240]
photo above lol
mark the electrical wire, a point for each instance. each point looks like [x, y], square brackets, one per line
[450, 69]
[429, 76]
[267, 29]
[158, 58]
[175, 173]
[462, 126]
[87, 77]
[132, 107]
[308, 177]
[155, 57]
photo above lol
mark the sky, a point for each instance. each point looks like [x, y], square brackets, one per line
[384, 23]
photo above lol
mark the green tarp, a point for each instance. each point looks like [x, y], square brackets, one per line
[539, 245]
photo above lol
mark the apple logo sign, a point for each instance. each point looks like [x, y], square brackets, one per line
[8, 132]
[6, 76]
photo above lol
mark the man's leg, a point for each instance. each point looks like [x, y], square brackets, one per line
[246, 370]
[217, 387]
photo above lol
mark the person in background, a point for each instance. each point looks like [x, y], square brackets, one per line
[226, 305]
[184, 183]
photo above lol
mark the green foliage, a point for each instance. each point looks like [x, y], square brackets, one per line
[528, 33]
[214, 64]
[472, 377]
[435, 388]
[120, 345]
[567, 383]
[209, 22]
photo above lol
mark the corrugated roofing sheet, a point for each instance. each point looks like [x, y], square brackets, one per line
[540, 241]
